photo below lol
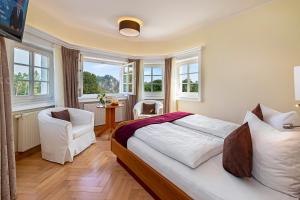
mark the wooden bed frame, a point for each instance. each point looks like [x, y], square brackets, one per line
[156, 184]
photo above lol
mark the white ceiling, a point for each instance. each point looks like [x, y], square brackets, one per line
[163, 19]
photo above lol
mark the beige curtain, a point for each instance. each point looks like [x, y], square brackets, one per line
[168, 78]
[132, 99]
[8, 164]
[70, 61]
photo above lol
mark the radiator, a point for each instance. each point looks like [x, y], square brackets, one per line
[27, 131]
[99, 113]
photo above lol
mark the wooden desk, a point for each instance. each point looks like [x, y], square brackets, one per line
[110, 118]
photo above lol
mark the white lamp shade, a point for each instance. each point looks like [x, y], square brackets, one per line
[297, 82]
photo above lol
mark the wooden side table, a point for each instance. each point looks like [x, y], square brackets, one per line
[110, 118]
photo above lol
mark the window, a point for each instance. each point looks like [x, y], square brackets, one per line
[128, 78]
[32, 74]
[153, 80]
[188, 78]
[107, 77]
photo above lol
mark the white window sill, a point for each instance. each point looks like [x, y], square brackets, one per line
[153, 95]
[93, 100]
[198, 99]
[153, 98]
[19, 108]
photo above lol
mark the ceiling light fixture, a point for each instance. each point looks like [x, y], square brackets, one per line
[130, 26]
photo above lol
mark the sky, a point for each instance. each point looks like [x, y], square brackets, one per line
[102, 69]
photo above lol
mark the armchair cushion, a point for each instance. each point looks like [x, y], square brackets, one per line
[80, 130]
[63, 115]
[149, 109]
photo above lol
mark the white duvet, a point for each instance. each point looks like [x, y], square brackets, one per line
[209, 181]
[208, 125]
[185, 145]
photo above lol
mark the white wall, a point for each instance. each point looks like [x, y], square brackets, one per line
[249, 59]
[58, 76]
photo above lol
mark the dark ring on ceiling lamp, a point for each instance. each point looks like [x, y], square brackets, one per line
[128, 24]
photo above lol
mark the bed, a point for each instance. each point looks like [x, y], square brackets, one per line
[167, 178]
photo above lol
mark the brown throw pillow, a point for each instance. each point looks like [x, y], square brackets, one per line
[63, 115]
[257, 111]
[237, 152]
[148, 109]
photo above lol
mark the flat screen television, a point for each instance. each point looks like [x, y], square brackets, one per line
[12, 18]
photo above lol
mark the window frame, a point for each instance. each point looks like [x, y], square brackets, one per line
[31, 98]
[152, 94]
[132, 81]
[194, 96]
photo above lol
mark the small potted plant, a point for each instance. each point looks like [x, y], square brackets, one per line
[101, 97]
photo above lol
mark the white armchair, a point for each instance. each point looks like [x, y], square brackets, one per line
[62, 140]
[138, 109]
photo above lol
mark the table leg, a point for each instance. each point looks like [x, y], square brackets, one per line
[110, 121]
[107, 123]
[113, 119]
[110, 118]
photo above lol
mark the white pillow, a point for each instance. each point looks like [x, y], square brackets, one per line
[276, 156]
[278, 119]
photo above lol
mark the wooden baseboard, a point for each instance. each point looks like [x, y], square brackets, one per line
[21, 155]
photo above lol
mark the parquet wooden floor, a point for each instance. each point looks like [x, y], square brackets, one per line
[94, 174]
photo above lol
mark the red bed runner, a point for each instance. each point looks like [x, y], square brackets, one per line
[126, 131]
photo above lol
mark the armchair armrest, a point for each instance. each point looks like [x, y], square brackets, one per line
[160, 111]
[54, 131]
[159, 108]
[137, 110]
[80, 117]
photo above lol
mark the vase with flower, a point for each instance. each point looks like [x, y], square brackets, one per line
[102, 98]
